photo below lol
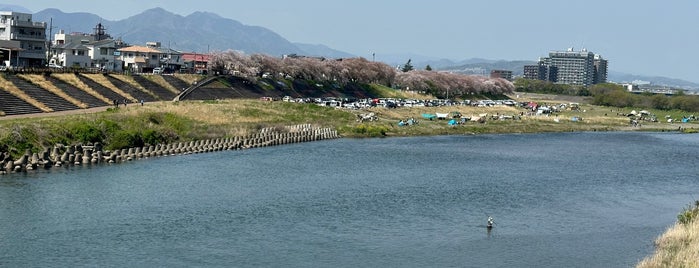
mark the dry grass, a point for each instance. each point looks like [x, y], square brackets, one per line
[228, 118]
[159, 80]
[40, 81]
[189, 78]
[12, 89]
[129, 80]
[225, 112]
[549, 98]
[100, 79]
[71, 79]
[677, 247]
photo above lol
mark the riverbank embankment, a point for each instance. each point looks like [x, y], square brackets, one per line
[94, 154]
[679, 245]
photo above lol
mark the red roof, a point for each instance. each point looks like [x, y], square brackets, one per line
[198, 57]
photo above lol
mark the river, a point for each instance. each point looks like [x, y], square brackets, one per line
[591, 199]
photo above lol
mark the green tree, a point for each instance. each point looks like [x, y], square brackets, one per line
[428, 68]
[408, 66]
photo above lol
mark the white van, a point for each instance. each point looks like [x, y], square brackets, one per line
[157, 70]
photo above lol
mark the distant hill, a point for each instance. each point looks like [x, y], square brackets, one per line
[517, 67]
[204, 31]
[15, 8]
[322, 51]
[199, 31]
[654, 80]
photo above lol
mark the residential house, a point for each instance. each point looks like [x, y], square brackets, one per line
[9, 50]
[97, 50]
[72, 54]
[145, 58]
[104, 54]
[196, 62]
[16, 26]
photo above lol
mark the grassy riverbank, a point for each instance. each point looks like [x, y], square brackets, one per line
[165, 122]
[679, 245]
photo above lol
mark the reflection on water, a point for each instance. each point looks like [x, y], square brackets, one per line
[559, 200]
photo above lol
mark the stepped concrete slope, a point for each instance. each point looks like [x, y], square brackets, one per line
[131, 90]
[213, 90]
[102, 90]
[77, 93]
[176, 82]
[11, 105]
[206, 89]
[159, 91]
[44, 96]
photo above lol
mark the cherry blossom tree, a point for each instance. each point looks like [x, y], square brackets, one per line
[356, 70]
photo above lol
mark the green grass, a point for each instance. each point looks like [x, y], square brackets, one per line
[168, 122]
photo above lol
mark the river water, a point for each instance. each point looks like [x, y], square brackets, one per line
[558, 200]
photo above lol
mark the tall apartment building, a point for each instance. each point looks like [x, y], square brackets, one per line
[569, 67]
[540, 71]
[29, 35]
[574, 67]
[600, 69]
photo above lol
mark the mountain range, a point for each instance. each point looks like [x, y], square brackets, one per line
[208, 32]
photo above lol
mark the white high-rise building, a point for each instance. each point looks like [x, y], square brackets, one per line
[572, 67]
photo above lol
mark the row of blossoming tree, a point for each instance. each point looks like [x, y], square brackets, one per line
[357, 70]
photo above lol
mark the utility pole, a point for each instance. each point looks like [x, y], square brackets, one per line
[48, 46]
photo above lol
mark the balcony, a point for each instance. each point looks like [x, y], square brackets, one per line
[28, 24]
[33, 54]
[27, 37]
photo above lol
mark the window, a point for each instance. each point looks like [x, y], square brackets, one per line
[104, 51]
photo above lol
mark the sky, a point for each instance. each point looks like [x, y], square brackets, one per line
[643, 37]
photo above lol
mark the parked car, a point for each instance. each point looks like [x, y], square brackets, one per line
[157, 70]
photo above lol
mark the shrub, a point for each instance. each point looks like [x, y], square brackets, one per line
[689, 214]
[125, 139]
[20, 139]
[371, 131]
[152, 137]
[87, 133]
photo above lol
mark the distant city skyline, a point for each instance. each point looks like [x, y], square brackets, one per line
[640, 37]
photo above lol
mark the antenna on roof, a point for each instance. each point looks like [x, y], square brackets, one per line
[100, 32]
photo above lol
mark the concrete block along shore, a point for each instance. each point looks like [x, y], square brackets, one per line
[94, 154]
